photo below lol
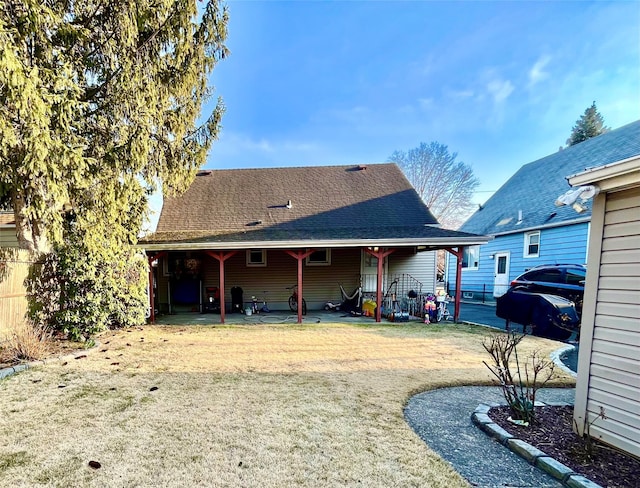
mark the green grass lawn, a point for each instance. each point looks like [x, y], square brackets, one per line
[251, 406]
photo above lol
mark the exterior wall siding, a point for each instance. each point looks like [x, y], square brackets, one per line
[8, 237]
[321, 283]
[614, 384]
[566, 244]
[420, 266]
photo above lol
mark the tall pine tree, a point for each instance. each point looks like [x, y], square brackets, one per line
[590, 124]
[100, 103]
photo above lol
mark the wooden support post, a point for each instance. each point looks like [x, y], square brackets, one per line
[300, 256]
[221, 256]
[380, 254]
[151, 258]
[458, 253]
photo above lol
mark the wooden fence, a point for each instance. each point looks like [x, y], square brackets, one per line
[14, 269]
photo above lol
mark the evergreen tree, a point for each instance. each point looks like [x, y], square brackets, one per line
[590, 124]
[100, 103]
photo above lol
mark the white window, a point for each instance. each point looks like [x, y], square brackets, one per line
[471, 257]
[256, 257]
[532, 244]
[321, 257]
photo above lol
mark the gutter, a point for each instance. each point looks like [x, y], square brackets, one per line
[435, 243]
[581, 220]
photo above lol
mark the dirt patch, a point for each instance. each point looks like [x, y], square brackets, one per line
[554, 436]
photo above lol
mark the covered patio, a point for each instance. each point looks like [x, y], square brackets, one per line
[267, 230]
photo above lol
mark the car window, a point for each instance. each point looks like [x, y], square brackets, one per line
[545, 275]
[576, 276]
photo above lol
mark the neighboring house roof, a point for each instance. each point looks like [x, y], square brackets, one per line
[320, 205]
[535, 187]
[7, 219]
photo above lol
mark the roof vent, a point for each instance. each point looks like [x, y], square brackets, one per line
[205, 172]
[519, 217]
[361, 167]
[289, 204]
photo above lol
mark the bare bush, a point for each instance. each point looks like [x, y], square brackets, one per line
[519, 389]
[27, 342]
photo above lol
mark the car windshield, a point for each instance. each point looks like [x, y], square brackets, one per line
[576, 276]
[550, 275]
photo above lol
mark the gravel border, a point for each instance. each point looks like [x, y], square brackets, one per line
[533, 455]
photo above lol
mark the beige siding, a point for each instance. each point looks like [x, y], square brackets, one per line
[421, 266]
[614, 383]
[8, 237]
[321, 283]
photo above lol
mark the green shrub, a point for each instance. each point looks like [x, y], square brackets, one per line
[80, 291]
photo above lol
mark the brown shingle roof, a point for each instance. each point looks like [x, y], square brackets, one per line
[327, 197]
[328, 203]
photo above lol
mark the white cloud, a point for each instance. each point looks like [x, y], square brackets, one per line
[459, 94]
[500, 89]
[537, 72]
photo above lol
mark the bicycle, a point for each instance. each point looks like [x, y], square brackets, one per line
[293, 300]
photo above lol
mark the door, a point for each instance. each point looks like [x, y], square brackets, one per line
[369, 273]
[501, 274]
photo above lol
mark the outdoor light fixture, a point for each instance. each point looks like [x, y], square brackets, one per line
[584, 193]
[579, 207]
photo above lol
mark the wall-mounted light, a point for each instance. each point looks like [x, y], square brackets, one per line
[579, 207]
[492, 256]
[571, 197]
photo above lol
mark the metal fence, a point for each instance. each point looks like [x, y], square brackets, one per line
[482, 293]
[14, 269]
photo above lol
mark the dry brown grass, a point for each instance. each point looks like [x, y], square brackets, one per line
[26, 342]
[251, 406]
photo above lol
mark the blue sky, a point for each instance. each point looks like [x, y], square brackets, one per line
[500, 83]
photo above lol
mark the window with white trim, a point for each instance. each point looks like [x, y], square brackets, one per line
[256, 257]
[320, 257]
[532, 244]
[470, 257]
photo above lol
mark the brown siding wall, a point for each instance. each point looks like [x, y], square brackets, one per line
[321, 283]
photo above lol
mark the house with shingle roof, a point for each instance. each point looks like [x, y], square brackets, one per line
[264, 230]
[528, 229]
[8, 236]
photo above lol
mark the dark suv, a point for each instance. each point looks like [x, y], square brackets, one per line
[548, 298]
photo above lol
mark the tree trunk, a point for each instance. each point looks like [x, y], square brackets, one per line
[30, 233]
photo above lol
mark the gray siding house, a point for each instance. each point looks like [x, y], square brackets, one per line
[8, 230]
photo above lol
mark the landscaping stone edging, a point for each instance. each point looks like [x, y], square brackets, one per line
[5, 372]
[533, 455]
